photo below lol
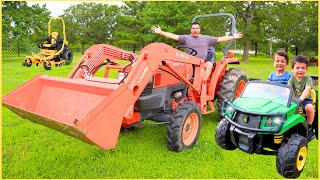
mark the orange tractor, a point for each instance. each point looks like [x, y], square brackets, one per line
[162, 84]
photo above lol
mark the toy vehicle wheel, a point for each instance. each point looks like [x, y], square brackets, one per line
[184, 126]
[27, 62]
[222, 135]
[47, 65]
[231, 86]
[291, 156]
[67, 56]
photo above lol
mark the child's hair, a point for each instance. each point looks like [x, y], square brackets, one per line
[283, 54]
[299, 59]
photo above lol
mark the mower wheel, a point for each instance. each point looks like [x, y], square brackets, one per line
[292, 156]
[184, 126]
[27, 62]
[47, 65]
[67, 56]
[222, 135]
[231, 86]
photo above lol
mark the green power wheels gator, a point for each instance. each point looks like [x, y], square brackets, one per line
[268, 119]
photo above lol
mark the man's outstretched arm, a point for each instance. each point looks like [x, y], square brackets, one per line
[229, 38]
[158, 30]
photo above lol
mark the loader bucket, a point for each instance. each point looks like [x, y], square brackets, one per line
[88, 110]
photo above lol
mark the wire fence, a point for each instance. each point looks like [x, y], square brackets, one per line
[15, 49]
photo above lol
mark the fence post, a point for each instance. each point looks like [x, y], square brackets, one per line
[18, 47]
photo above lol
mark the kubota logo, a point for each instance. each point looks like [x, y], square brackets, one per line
[182, 56]
[143, 74]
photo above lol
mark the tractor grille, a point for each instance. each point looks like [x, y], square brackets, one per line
[247, 120]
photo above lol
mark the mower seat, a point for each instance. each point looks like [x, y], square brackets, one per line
[52, 41]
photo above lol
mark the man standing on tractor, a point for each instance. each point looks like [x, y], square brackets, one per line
[198, 42]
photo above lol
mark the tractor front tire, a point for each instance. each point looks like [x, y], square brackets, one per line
[291, 156]
[184, 126]
[67, 56]
[222, 135]
[231, 86]
[27, 62]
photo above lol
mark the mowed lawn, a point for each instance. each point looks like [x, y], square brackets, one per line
[32, 151]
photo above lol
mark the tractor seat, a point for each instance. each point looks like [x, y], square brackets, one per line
[211, 54]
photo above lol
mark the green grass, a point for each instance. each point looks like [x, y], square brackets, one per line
[31, 151]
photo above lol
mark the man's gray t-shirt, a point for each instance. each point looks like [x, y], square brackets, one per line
[200, 44]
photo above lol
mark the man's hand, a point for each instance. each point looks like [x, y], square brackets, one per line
[156, 29]
[237, 35]
[165, 34]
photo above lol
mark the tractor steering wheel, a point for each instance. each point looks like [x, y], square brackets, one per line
[193, 51]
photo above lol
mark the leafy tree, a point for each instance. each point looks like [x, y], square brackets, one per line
[171, 16]
[297, 29]
[91, 23]
[23, 23]
[245, 12]
[130, 27]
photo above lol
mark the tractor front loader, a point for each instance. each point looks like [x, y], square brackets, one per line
[162, 84]
[53, 51]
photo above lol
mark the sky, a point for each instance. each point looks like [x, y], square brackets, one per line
[57, 7]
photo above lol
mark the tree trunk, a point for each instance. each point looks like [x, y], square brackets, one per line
[255, 49]
[297, 50]
[82, 45]
[245, 56]
[270, 48]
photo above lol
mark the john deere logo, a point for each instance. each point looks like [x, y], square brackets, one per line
[245, 119]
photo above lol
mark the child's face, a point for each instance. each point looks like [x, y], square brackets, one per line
[279, 62]
[299, 69]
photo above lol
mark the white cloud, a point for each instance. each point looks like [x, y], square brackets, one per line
[57, 7]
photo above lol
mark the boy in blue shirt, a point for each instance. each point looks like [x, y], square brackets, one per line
[280, 61]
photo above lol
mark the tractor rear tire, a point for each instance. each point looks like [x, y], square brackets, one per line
[231, 86]
[47, 65]
[67, 56]
[291, 156]
[222, 135]
[27, 62]
[184, 126]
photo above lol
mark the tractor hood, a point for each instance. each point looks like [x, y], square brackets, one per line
[259, 105]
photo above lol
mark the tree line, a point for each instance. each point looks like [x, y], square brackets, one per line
[292, 26]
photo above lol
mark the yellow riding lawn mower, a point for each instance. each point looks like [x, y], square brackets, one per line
[54, 51]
